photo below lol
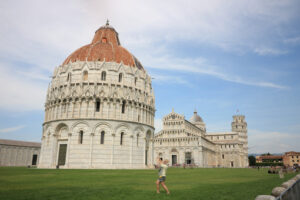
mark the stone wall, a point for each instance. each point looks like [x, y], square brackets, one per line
[135, 150]
[289, 190]
[16, 155]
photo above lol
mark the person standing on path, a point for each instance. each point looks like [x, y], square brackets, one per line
[162, 175]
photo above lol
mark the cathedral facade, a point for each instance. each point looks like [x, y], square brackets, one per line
[186, 142]
[99, 110]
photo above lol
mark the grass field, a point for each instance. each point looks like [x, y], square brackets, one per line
[214, 184]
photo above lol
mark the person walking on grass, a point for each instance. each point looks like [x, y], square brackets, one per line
[162, 175]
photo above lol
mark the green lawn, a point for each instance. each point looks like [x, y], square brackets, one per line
[43, 184]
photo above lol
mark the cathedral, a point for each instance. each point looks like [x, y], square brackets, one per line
[99, 113]
[99, 110]
[186, 142]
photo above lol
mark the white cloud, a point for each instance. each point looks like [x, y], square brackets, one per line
[200, 66]
[20, 93]
[273, 142]
[43, 33]
[159, 78]
[269, 51]
[11, 129]
[293, 40]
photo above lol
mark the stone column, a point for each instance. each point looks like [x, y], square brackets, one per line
[79, 111]
[73, 106]
[131, 149]
[68, 149]
[91, 150]
[61, 110]
[42, 149]
[54, 150]
[152, 151]
[112, 150]
[94, 105]
[108, 108]
[67, 109]
[87, 107]
[145, 142]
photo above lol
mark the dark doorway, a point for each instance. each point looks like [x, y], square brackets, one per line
[174, 159]
[34, 159]
[188, 158]
[231, 163]
[62, 154]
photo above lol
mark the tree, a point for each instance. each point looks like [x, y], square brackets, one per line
[252, 160]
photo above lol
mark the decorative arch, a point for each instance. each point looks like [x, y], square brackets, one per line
[102, 126]
[122, 127]
[61, 125]
[80, 125]
[48, 130]
[149, 134]
[62, 131]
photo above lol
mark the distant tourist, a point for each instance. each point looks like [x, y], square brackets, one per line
[281, 175]
[162, 175]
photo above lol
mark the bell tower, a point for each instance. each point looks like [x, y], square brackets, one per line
[239, 125]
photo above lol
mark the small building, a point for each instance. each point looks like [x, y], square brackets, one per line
[19, 153]
[291, 158]
[269, 159]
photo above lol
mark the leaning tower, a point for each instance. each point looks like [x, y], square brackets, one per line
[240, 125]
[99, 110]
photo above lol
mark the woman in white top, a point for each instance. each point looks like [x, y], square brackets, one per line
[162, 175]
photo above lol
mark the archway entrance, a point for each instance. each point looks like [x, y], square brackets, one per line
[62, 140]
[174, 159]
[148, 138]
[62, 154]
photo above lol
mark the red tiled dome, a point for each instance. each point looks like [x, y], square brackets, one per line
[105, 46]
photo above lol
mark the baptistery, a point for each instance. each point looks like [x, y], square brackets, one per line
[99, 110]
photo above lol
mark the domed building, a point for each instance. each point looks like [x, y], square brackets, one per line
[99, 110]
[197, 121]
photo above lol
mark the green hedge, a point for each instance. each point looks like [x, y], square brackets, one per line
[269, 164]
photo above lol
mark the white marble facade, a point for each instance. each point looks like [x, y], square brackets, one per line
[99, 114]
[187, 142]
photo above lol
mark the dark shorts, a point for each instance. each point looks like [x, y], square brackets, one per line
[162, 179]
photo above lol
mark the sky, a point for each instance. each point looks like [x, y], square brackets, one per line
[219, 57]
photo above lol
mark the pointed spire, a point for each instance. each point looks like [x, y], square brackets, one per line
[172, 110]
[107, 22]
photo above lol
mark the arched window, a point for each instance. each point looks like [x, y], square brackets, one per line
[98, 105]
[69, 77]
[135, 80]
[85, 75]
[120, 77]
[104, 40]
[103, 76]
[102, 137]
[121, 138]
[123, 106]
[80, 137]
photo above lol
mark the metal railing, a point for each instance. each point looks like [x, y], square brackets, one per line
[292, 193]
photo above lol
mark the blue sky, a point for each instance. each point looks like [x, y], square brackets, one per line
[217, 57]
